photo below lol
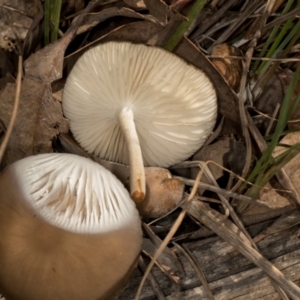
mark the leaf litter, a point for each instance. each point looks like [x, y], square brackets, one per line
[208, 43]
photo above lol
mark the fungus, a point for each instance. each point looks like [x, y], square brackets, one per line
[138, 105]
[163, 193]
[69, 230]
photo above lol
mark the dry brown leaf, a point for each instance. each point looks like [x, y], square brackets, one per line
[15, 20]
[137, 4]
[34, 34]
[160, 10]
[271, 96]
[39, 119]
[226, 152]
[230, 68]
[292, 168]
[93, 19]
[137, 32]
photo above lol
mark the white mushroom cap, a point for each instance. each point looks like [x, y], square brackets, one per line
[174, 104]
[69, 230]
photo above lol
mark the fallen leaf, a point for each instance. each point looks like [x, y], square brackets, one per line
[271, 96]
[39, 117]
[93, 19]
[160, 10]
[230, 68]
[138, 4]
[137, 32]
[38, 121]
[15, 21]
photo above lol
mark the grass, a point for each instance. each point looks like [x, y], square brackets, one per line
[52, 9]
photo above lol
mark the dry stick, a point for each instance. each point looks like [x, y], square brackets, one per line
[195, 163]
[15, 109]
[282, 60]
[249, 54]
[169, 235]
[151, 279]
[273, 119]
[244, 123]
[190, 257]
[225, 229]
[224, 36]
[226, 193]
[225, 202]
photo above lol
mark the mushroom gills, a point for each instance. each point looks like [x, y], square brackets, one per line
[47, 259]
[140, 106]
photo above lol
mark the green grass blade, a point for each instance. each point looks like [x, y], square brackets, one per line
[55, 17]
[47, 22]
[183, 27]
[272, 36]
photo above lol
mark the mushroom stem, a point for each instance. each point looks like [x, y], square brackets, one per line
[136, 164]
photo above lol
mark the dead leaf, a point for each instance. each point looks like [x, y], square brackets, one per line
[230, 68]
[34, 34]
[137, 4]
[15, 21]
[137, 32]
[93, 19]
[271, 96]
[160, 10]
[47, 63]
[226, 152]
[39, 119]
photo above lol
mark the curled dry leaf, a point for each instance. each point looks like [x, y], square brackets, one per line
[271, 96]
[39, 119]
[230, 68]
[225, 152]
[137, 4]
[163, 193]
[160, 10]
[94, 19]
[167, 261]
[15, 21]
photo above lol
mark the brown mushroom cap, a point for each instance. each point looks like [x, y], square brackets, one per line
[163, 193]
[60, 238]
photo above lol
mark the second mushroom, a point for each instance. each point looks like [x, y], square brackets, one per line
[138, 105]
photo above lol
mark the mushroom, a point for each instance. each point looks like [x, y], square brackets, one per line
[69, 230]
[163, 193]
[138, 105]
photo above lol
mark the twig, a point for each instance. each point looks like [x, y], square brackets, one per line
[170, 234]
[15, 108]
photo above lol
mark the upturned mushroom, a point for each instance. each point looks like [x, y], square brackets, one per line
[69, 230]
[138, 105]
